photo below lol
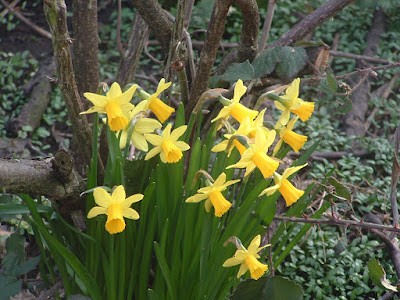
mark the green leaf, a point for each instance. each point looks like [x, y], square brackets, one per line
[341, 190]
[266, 62]
[78, 297]
[72, 260]
[15, 209]
[244, 71]
[345, 105]
[280, 288]
[152, 295]
[9, 287]
[249, 289]
[331, 80]
[15, 253]
[293, 61]
[27, 266]
[378, 275]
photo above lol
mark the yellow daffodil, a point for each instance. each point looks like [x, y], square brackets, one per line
[141, 126]
[159, 108]
[167, 144]
[248, 259]
[290, 102]
[293, 139]
[244, 129]
[234, 108]
[256, 156]
[287, 190]
[116, 207]
[214, 196]
[115, 104]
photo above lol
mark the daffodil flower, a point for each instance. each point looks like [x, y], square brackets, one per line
[159, 108]
[214, 196]
[234, 108]
[290, 102]
[248, 259]
[293, 139]
[244, 129]
[167, 144]
[255, 156]
[115, 206]
[287, 190]
[141, 126]
[115, 104]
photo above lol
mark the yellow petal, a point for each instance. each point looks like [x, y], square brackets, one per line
[147, 125]
[119, 194]
[254, 244]
[182, 145]
[130, 213]
[176, 134]
[292, 170]
[196, 198]
[153, 152]
[101, 197]
[115, 91]
[94, 109]
[239, 91]
[130, 200]
[243, 269]
[95, 211]
[139, 141]
[220, 180]
[97, 100]
[233, 261]
[126, 97]
[154, 139]
[293, 90]
[271, 190]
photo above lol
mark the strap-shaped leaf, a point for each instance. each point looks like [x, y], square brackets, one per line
[293, 61]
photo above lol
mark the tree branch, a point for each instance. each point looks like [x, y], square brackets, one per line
[157, 19]
[311, 21]
[56, 16]
[337, 222]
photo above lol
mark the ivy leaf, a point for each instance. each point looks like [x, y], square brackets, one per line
[332, 83]
[341, 190]
[378, 275]
[344, 106]
[249, 289]
[266, 62]
[293, 61]
[236, 71]
[280, 288]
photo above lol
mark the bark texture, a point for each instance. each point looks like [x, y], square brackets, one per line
[354, 121]
[56, 16]
[157, 19]
[311, 21]
[134, 49]
[247, 47]
[86, 50]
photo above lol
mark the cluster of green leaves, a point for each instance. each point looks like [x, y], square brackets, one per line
[14, 68]
[326, 265]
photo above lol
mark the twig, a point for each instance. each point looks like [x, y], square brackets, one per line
[359, 57]
[267, 25]
[314, 19]
[368, 70]
[395, 177]
[119, 45]
[319, 156]
[39, 30]
[50, 292]
[151, 56]
[188, 14]
[6, 10]
[341, 222]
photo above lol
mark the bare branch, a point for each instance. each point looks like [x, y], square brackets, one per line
[119, 44]
[359, 57]
[339, 222]
[56, 16]
[157, 19]
[39, 30]
[267, 25]
[311, 21]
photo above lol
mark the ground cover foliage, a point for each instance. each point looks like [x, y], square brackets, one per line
[328, 262]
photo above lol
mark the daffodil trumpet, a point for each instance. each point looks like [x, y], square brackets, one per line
[248, 259]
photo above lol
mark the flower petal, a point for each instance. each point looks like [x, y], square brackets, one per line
[95, 211]
[196, 198]
[153, 152]
[239, 91]
[130, 200]
[254, 244]
[119, 194]
[130, 213]
[115, 91]
[220, 180]
[243, 269]
[102, 198]
[147, 125]
[97, 100]
[269, 191]
[94, 109]
[139, 141]
[176, 134]
[233, 261]
[292, 170]
[127, 96]
[182, 145]
[154, 139]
